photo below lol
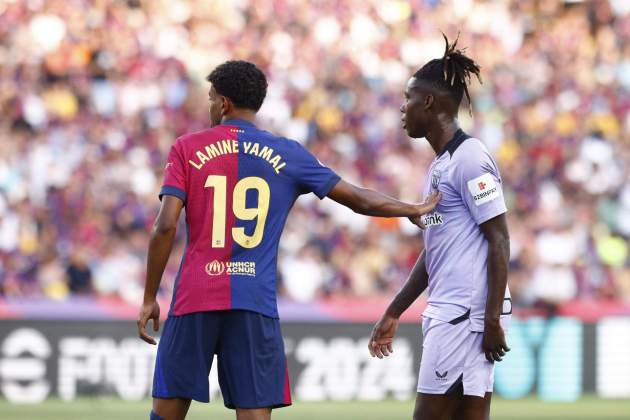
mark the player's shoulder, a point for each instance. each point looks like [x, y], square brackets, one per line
[282, 143]
[278, 138]
[200, 135]
[470, 151]
[471, 147]
[471, 156]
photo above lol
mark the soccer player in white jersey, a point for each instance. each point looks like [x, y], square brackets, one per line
[465, 261]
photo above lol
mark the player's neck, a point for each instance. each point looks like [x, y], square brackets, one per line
[240, 114]
[443, 132]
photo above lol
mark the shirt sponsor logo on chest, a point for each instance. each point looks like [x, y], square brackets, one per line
[433, 219]
[237, 268]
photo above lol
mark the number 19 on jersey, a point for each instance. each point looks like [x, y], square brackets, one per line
[219, 184]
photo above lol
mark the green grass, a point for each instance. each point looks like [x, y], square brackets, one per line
[106, 409]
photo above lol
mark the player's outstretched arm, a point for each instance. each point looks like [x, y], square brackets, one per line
[372, 203]
[160, 245]
[496, 232]
[380, 343]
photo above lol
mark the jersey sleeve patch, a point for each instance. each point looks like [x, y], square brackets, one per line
[483, 189]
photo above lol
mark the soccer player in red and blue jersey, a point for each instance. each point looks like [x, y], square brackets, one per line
[237, 184]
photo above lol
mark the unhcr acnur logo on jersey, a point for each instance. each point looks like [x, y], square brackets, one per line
[237, 268]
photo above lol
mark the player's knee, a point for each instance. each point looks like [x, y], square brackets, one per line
[419, 412]
[416, 413]
[253, 414]
[428, 410]
[154, 416]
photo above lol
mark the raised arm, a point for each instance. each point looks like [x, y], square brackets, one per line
[160, 245]
[380, 343]
[372, 203]
[496, 232]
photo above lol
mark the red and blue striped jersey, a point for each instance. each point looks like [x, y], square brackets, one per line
[238, 184]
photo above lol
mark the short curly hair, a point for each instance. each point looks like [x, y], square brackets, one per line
[240, 81]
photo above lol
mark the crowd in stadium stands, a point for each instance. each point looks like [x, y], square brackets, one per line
[92, 94]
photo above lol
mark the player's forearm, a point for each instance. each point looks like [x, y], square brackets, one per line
[160, 246]
[498, 260]
[414, 286]
[373, 203]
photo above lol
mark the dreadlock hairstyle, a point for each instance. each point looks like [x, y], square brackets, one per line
[451, 73]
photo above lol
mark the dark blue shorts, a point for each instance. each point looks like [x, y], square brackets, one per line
[250, 353]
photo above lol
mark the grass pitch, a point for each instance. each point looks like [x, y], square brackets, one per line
[588, 408]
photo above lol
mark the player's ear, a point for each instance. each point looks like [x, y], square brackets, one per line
[428, 101]
[226, 106]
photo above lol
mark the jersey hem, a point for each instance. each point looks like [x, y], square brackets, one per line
[231, 308]
[444, 317]
[478, 324]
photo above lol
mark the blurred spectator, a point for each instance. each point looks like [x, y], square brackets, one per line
[304, 274]
[92, 94]
[79, 274]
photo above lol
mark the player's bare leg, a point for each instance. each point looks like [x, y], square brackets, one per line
[435, 407]
[253, 414]
[171, 408]
[473, 408]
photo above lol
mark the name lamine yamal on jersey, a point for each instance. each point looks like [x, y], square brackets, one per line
[227, 146]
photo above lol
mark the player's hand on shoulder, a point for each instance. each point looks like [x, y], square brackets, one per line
[494, 345]
[148, 310]
[380, 343]
[425, 207]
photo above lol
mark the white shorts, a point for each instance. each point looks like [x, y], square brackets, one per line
[451, 354]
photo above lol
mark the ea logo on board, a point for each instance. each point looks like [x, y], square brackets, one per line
[215, 268]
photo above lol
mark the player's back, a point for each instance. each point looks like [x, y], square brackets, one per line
[238, 184]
